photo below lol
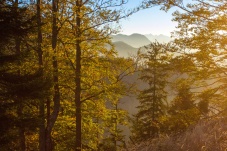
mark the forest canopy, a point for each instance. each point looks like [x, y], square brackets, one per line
[62, 82]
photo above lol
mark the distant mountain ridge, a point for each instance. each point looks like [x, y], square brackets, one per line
[127, 45]
[138, 40]
[134, 40]
[124, 49]
[160, 38]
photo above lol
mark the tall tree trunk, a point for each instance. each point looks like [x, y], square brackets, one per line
[48, 136]
[21, 130]
[53, 117]
[20, 106]
[78, 78]
[154, 97]
[41, 103]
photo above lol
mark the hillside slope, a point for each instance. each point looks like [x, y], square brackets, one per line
[124, 50]
[134, 40]
[160, 38]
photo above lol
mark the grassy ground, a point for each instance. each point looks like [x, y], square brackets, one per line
[207, 135]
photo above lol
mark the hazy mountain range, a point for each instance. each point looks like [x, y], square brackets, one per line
[160, 38]
[127, 45]
[134, 40]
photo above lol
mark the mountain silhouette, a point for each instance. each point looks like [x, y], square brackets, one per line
[134, 40]
[128, 45]
[124, 50]
[160, 38]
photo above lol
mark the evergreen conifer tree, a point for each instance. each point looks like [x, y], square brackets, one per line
[21, 86]
[153, 98]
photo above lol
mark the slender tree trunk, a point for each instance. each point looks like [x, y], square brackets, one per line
[53, 117]
[22, 139]
[78, 78]
[116, 128]
[41, 103]
[154, 95]
[154, 105]
[48, 123]
[20, 107]
[21, 130]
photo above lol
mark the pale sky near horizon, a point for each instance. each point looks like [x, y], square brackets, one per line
[149, 21]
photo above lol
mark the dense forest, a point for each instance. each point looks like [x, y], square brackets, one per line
[62, 80]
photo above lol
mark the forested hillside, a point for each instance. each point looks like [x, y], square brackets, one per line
[67, 81]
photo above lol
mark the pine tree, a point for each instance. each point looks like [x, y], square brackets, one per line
[155, 73]
[20, 84]
[183, 111]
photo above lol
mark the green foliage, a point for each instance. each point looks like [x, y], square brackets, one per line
[201, 66]
[22, 83]
[14, 22]
[25, 82]
[202, 32]
[182, 112]
[153, 98]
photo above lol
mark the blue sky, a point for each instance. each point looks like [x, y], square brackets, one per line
[149, 21]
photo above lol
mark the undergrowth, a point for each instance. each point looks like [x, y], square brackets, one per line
[207, 135]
